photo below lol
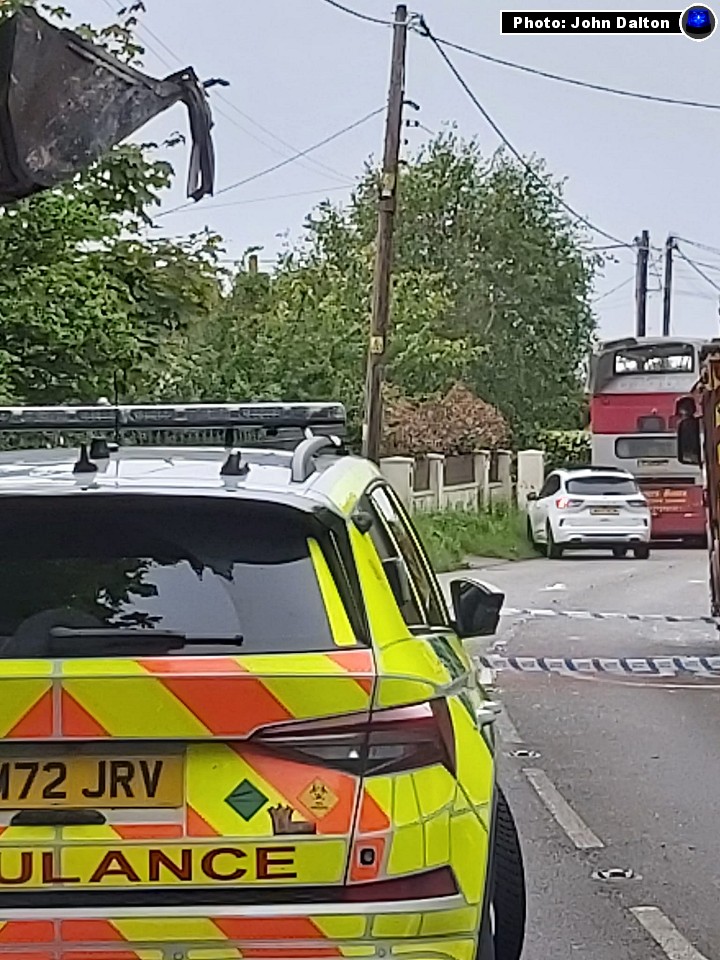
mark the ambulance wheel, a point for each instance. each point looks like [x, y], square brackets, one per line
[509, 896]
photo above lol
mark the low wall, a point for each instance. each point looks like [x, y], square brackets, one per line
[474, 482]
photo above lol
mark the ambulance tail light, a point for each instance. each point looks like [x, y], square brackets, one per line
[388, 741]
[428, 885]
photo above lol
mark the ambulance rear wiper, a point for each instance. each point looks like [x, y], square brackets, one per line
[132, 637]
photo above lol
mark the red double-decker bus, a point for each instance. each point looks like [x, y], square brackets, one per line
[634, 385]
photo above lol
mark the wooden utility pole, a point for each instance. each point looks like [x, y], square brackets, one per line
[641, 283]
[387, 207]
[667, 290]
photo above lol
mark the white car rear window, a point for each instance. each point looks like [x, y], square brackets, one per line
[602, 486]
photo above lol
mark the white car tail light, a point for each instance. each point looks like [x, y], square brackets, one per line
[567, 503]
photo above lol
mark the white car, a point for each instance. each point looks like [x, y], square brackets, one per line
[593, 507]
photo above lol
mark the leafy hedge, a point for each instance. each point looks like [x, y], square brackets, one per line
[565, 448]
[454, 424]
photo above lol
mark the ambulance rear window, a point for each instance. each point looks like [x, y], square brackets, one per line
[239, 573]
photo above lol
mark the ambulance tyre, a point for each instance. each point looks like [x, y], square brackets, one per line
[509, 896]
[642, 552]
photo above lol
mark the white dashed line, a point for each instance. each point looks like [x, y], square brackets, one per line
[666, 934]
[576, 829]
[506, 728]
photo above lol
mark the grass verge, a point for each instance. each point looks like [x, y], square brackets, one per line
[451, 536]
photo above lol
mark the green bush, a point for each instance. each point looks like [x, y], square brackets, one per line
[451, 536]
[565, 448]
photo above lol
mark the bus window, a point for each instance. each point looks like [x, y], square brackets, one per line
[655, 358]
[638, 448]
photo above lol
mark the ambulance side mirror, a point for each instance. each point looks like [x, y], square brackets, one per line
[688, 441]
[477, 608]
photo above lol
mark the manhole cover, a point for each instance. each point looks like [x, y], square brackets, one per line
[615, 873]
[524, 754]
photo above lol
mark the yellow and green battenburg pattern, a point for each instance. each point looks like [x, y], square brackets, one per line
[416, 820]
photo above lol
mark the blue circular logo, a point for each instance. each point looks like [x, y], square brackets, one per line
[698, 23]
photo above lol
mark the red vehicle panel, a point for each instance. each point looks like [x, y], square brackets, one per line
[634, 386]
[677, 511]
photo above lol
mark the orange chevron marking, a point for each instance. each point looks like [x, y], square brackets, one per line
[292, 779]
[90, 931]
[357, 661]
[27, 931]
[34, 956]
[149, 831]
[194, 666]
[98, 955]
[373, 818]
[77, 722]
[37, 722]
[198, 826]
[226, 705]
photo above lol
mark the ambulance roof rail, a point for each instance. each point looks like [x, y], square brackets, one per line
[303, 467]
[176, 417]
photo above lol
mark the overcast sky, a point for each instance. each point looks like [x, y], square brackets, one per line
[303, 70]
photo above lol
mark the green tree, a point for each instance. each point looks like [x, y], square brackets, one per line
[88, 301]
[491, 288]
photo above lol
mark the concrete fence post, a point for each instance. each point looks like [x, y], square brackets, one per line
[398, 471]
[436, 463]
[531, 474]
[504, 474]
[482, 477]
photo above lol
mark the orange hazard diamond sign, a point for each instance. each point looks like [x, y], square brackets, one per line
[319, 798]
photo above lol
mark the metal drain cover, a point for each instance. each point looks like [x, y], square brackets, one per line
[615, 873]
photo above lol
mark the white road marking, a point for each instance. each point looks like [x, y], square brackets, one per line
[553, 587]
[666, 934]
[576, 828]
[506, 728]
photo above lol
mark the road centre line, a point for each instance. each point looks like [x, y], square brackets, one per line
[573, 825]
[664, 666]
[540, 613]
[667, 936]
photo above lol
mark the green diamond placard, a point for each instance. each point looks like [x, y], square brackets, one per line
[246, 800]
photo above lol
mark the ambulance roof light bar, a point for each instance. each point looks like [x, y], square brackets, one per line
[191, 416]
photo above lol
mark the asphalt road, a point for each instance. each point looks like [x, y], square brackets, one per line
[623, 770]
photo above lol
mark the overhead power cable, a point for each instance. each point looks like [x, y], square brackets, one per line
[708, 266]
[697, 269]
[574, 81]
[219, 95]
[700, 246]
[609, 293]
[515, 152]
[358, 14]
[546, 74]
[278, 196]
[283, 163]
